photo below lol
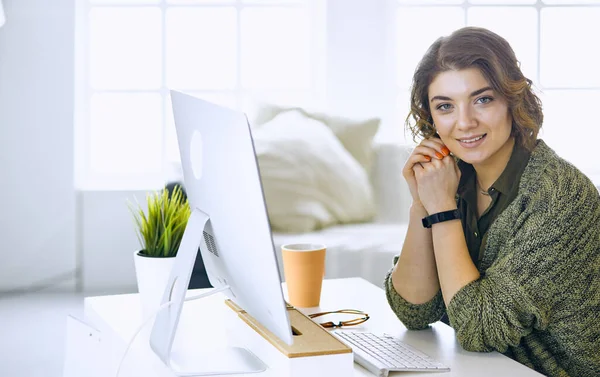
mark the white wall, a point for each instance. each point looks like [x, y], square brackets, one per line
[37, 198]
[108, 240]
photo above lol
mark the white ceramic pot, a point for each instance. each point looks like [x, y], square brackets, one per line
[152, 275]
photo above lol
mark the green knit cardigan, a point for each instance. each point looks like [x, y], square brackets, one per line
[538, 297]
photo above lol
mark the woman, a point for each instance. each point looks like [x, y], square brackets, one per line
[504, 236]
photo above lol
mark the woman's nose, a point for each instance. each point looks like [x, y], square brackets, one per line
[466, 118]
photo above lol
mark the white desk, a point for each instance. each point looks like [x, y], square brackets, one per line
[204, 324]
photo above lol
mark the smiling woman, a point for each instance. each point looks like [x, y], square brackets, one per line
[519, 272]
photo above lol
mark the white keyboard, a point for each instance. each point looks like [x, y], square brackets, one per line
[381, 354]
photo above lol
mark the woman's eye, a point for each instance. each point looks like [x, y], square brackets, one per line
[444, 107]
[485, 100]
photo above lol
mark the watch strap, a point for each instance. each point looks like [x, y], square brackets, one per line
[439, 217]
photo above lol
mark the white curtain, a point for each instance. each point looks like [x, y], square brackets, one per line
[2, 18]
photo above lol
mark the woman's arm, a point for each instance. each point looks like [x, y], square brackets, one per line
[455, 268]
[412, 287]
[415, 276]
[437, 184]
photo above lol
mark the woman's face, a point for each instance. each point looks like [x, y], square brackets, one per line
[471, 118]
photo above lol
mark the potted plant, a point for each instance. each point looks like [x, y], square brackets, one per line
[159, 231]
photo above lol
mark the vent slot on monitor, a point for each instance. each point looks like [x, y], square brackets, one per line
[210, 242]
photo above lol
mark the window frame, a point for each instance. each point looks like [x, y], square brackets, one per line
[85, 178]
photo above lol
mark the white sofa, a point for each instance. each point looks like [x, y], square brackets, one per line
[366, 249]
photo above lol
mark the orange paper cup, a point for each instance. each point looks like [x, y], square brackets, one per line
[304, 270]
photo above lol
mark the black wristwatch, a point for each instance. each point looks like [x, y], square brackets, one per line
[440, 217]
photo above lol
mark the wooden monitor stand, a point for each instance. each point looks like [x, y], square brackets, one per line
[310, 339]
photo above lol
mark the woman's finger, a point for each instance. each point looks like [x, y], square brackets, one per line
[418, 168]
[437, 145]
[433, 165]
[417, 158]
[428, 151]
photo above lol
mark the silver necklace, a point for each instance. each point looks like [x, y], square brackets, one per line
[483, 192]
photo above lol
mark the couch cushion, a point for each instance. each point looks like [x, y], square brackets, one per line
[354, 250]
[389, 186]
[356, 135]
[309, 179]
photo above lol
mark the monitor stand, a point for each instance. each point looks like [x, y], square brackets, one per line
[232, 360]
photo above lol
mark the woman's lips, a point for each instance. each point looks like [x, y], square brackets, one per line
[472, 142]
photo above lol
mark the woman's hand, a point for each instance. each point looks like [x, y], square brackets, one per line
[428, 150]
[437, 183]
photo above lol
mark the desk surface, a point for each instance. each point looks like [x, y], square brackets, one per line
[121, 315]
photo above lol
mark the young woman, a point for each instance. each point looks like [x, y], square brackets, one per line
[504, 236]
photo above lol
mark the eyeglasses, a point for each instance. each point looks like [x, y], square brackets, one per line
[352, 322]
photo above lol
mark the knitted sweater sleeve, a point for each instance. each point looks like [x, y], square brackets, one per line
[546, 264]
[413, 316]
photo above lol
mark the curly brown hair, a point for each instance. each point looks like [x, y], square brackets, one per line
[479, 48]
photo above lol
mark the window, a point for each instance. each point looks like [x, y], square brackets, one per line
[554, 40]
[131, 52]
[232, 52]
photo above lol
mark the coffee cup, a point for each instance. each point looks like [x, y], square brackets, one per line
[304, 270]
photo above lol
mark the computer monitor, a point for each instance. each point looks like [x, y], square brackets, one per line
[229, 224]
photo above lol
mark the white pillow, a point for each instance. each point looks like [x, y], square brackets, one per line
[356, 135]
[310, 180]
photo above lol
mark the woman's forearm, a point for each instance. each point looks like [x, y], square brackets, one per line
[455, 268]
[415, 275]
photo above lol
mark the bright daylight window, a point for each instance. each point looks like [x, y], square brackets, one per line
[555, 41]
[131, 52]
